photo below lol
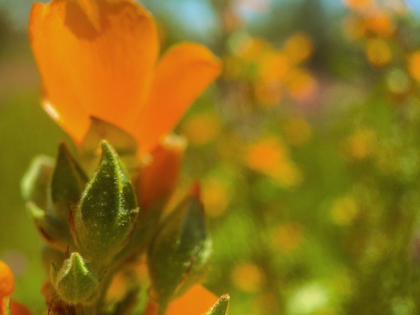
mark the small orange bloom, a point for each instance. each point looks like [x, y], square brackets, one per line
[99, 58]
[7, 287]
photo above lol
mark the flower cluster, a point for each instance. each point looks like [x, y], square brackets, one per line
[111, 236]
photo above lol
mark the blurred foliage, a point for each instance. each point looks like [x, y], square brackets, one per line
[307, 149]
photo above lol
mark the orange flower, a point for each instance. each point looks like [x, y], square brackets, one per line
[99, 58]
[7, 287]
[196, 301]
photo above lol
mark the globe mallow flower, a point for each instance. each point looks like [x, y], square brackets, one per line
[100, 58]
[7, 287]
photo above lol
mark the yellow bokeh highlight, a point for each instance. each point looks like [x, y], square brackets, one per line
[299, 48]
[270, 75]
[274, 66]
[287, 237]
[247, 277]
[297, 131]
[344, 211]
[202, 129]
[270, 156]
[414, 65]
[378, 52]
[252, 49]
[361, 144]
[216, 197]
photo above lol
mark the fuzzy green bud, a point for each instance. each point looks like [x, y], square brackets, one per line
[221, 306]
[105, 217]
[180, 250]
[75, 282]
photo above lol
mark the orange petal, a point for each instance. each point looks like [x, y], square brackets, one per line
[95, 58]
[184, 72]
[7, 280]
[196, 301]
[91, 9]
[158, 179]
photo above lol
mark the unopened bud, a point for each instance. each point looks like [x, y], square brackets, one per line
[75, 282]
[221, 307]
[180, 250]
[106, 214]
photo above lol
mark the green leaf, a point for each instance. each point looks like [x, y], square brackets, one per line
[75, 282]
[221, 306]
[105, 217]
[34, 184]
[67, 183]
[179, 251]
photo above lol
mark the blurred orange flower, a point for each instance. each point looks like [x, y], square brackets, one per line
[381, 24]
[247, 277]
[361, 144]
[299, 48]
[414, 65]
[99, 58]
[196, 301]
[7, 287]
[288, 237]
[202, 128]
[270, 156]
[360, 5]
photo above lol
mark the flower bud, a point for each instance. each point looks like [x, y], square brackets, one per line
[107, 211]
[35, 182]
[155, 184]
[75, 282]
[221, 307]
[67, 183]
[54, 231]
[180, 250]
